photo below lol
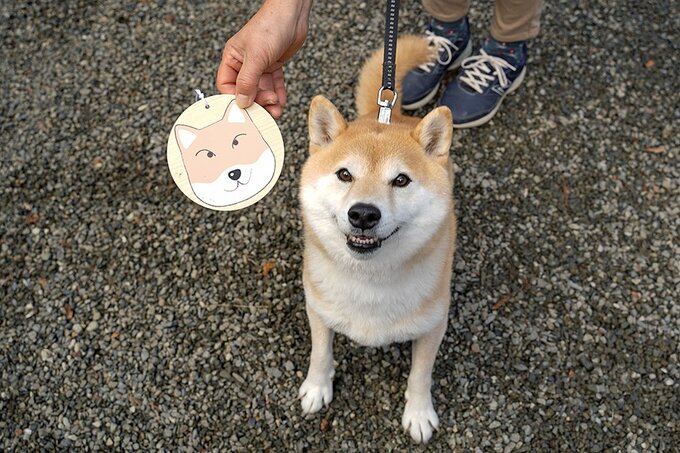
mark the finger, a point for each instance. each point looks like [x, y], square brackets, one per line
[227, 72]
[279, 86]
[266, 94]
[266, 97]
[248, 79]
[274, 110]
[226, 80]
[266, 82]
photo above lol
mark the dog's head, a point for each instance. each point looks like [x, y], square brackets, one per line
[228, 161]
[372, 191]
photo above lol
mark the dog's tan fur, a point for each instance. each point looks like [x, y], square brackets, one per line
[402, 291]
[412, 52]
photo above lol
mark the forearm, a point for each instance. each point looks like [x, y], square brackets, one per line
[293, 13]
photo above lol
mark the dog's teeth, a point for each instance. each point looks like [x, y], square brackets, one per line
[363, 240]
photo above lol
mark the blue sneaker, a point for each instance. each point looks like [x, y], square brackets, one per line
[452, 40]
[476, 93]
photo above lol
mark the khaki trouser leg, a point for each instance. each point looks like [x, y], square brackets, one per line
[516, 20]
[446, 10]
[513, 20]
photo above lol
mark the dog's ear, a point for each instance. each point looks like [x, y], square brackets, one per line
[434, 132]
[325, 122]
[185, 136]
[234, 114]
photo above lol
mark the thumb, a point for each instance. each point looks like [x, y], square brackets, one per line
[248, 79]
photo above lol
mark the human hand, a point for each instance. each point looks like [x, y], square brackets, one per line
[252, 60]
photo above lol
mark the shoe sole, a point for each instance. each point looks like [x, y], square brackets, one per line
[486, 118]
[429, 96]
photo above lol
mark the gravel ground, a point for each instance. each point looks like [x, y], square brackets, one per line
[132, 319]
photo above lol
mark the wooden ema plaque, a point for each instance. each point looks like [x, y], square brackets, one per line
[223, 157]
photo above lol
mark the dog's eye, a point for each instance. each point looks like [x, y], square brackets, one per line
[207, 152]
[401, 180]
[235, 141]
[344, 175]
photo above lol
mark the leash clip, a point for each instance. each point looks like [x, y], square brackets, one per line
[385, 111]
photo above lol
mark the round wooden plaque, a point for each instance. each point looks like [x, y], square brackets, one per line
[223, 157]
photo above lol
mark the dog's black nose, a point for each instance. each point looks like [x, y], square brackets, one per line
[235, 174]
[364, 216]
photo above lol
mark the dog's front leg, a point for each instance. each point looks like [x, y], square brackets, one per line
[317, 389]
[419, 418]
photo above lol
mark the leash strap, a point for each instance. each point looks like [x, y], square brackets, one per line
[389, 61]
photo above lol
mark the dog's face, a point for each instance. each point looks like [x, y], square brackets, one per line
[228, 161]
[376, 192]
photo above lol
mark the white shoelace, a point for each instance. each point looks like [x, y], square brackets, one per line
[440, 43]
[478, 71]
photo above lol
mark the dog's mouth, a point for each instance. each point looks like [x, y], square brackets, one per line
[365, 244]
[242, 180]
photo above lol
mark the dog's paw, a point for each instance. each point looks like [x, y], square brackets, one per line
[420, 419]
[315, 395]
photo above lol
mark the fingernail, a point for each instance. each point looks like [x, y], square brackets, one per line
[242, 101]
[271, 101]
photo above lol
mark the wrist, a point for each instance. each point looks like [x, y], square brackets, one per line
[297, 7]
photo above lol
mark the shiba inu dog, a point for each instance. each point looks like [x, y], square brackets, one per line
[228, 161]
[380, 235]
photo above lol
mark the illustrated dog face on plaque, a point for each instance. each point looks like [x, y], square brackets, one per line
[227, 162]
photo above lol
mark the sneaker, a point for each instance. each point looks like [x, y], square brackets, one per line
[476, 93]
[452, 40]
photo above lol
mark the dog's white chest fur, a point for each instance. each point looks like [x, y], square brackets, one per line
[376, 308]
